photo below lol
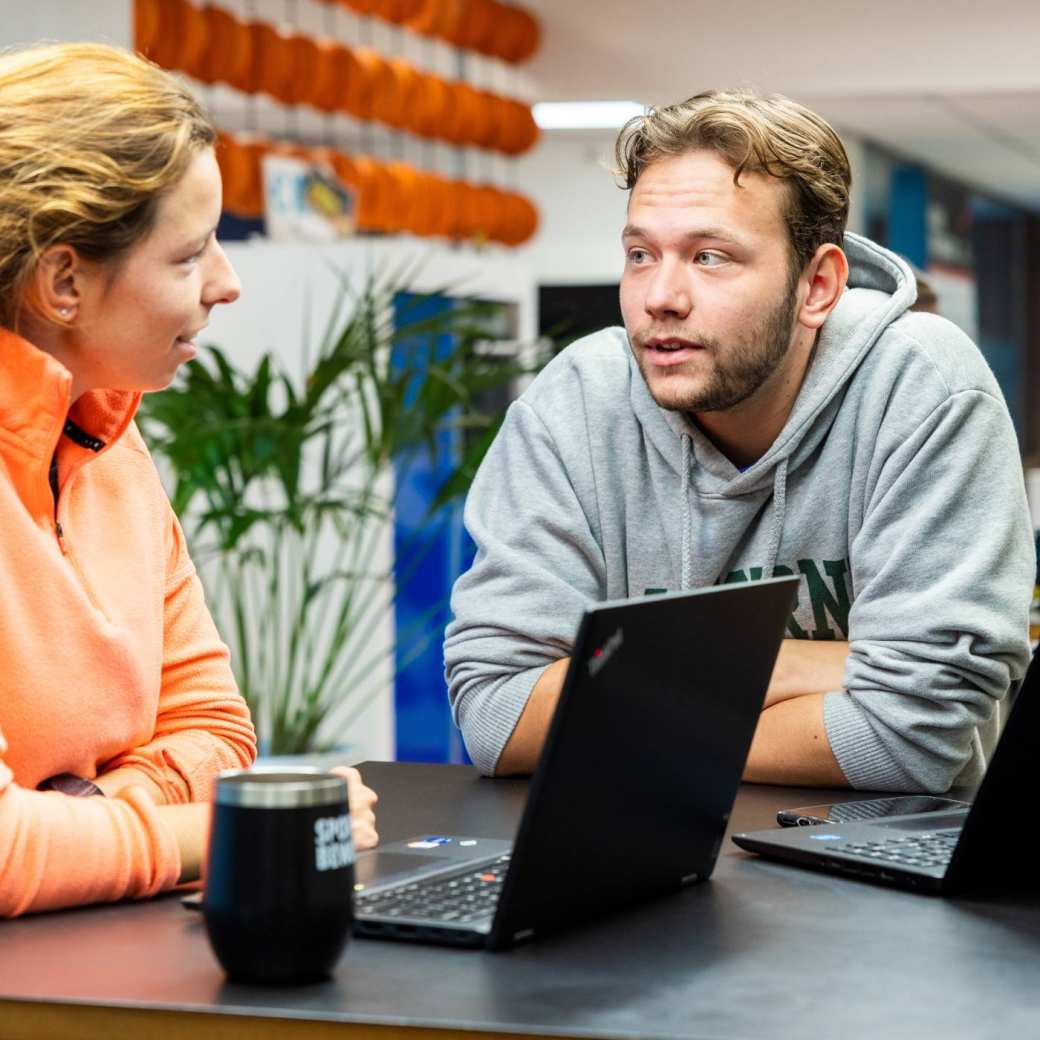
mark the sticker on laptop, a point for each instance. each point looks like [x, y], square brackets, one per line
[431, 842]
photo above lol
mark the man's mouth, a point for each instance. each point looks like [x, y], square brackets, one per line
[670, 350]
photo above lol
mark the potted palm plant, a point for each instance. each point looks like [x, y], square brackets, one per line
[282, 487]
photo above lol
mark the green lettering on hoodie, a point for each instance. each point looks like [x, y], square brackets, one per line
[824, 602]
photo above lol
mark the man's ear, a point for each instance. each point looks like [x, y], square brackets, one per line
[826, 273]
[55, 285]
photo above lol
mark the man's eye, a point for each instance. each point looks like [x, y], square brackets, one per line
[708, 258]
[637, 256]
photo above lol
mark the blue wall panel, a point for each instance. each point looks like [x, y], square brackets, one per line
[907, 218]
[429, 553]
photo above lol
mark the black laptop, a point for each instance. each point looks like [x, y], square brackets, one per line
[634, 787]
[977, 847]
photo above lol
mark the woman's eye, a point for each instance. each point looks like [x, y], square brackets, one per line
[198, 254]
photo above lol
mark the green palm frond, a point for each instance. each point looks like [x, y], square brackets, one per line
[277, 481]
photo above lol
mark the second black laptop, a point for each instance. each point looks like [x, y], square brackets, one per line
[635, 785]
[980, 847]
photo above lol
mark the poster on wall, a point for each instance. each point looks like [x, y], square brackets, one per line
[305, 203]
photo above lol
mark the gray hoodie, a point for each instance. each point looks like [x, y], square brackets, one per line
[894, 489]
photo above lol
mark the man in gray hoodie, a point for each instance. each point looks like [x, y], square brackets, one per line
[771, 407]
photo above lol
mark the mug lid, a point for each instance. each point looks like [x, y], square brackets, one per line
[278, 788]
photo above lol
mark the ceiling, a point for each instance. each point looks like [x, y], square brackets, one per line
[955, 85]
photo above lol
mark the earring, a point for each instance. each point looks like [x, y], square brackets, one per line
[64, 312]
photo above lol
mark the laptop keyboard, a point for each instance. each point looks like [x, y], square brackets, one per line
[455, 899]
[917, 850]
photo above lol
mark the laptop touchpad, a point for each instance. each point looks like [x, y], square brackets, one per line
[380, 866]
[929, 822]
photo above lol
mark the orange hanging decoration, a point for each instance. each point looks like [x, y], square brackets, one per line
[229, 54]
[379, 84]
[359, 6]
[340, 70]
[529, 36]
[432, 18]
[166, 43]
[430, 99]
[193, 38]
[273, 60]
[239, 160]
[147, 26]
[373, 195]
[479, 25]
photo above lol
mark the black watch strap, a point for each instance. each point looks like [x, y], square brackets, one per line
[70, 784]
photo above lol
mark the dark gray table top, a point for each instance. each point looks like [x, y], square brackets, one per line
[761, 950]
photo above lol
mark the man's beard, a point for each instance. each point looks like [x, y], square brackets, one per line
[740, 367]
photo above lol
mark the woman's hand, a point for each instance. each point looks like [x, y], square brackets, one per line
[190, 826]
[362, 815]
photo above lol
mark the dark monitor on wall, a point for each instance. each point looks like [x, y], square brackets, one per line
[568, 312]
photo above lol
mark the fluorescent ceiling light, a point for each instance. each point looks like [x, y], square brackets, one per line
[585, 115]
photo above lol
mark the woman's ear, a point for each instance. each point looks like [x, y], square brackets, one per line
[827, 273]
[55, 284]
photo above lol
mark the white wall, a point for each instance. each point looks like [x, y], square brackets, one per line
[108, 21]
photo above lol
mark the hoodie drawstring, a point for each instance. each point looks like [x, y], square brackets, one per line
[779, 513]
[779, 509]
[687, 520]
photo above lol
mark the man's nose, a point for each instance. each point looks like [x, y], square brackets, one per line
[669, 292]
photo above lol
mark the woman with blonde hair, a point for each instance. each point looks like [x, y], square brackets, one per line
[117, 701]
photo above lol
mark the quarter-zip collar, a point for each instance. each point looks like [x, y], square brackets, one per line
[35, 408]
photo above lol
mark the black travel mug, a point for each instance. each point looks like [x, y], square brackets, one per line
[280, 874]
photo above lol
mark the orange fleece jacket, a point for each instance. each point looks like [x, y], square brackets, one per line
[108, 655]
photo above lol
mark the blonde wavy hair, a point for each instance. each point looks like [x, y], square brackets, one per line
[90, 139]
[761, 133]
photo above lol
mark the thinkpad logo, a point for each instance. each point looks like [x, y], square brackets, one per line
[601, 655]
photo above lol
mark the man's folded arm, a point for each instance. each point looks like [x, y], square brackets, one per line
[790, 745]
[538, 566]
[943, 570]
